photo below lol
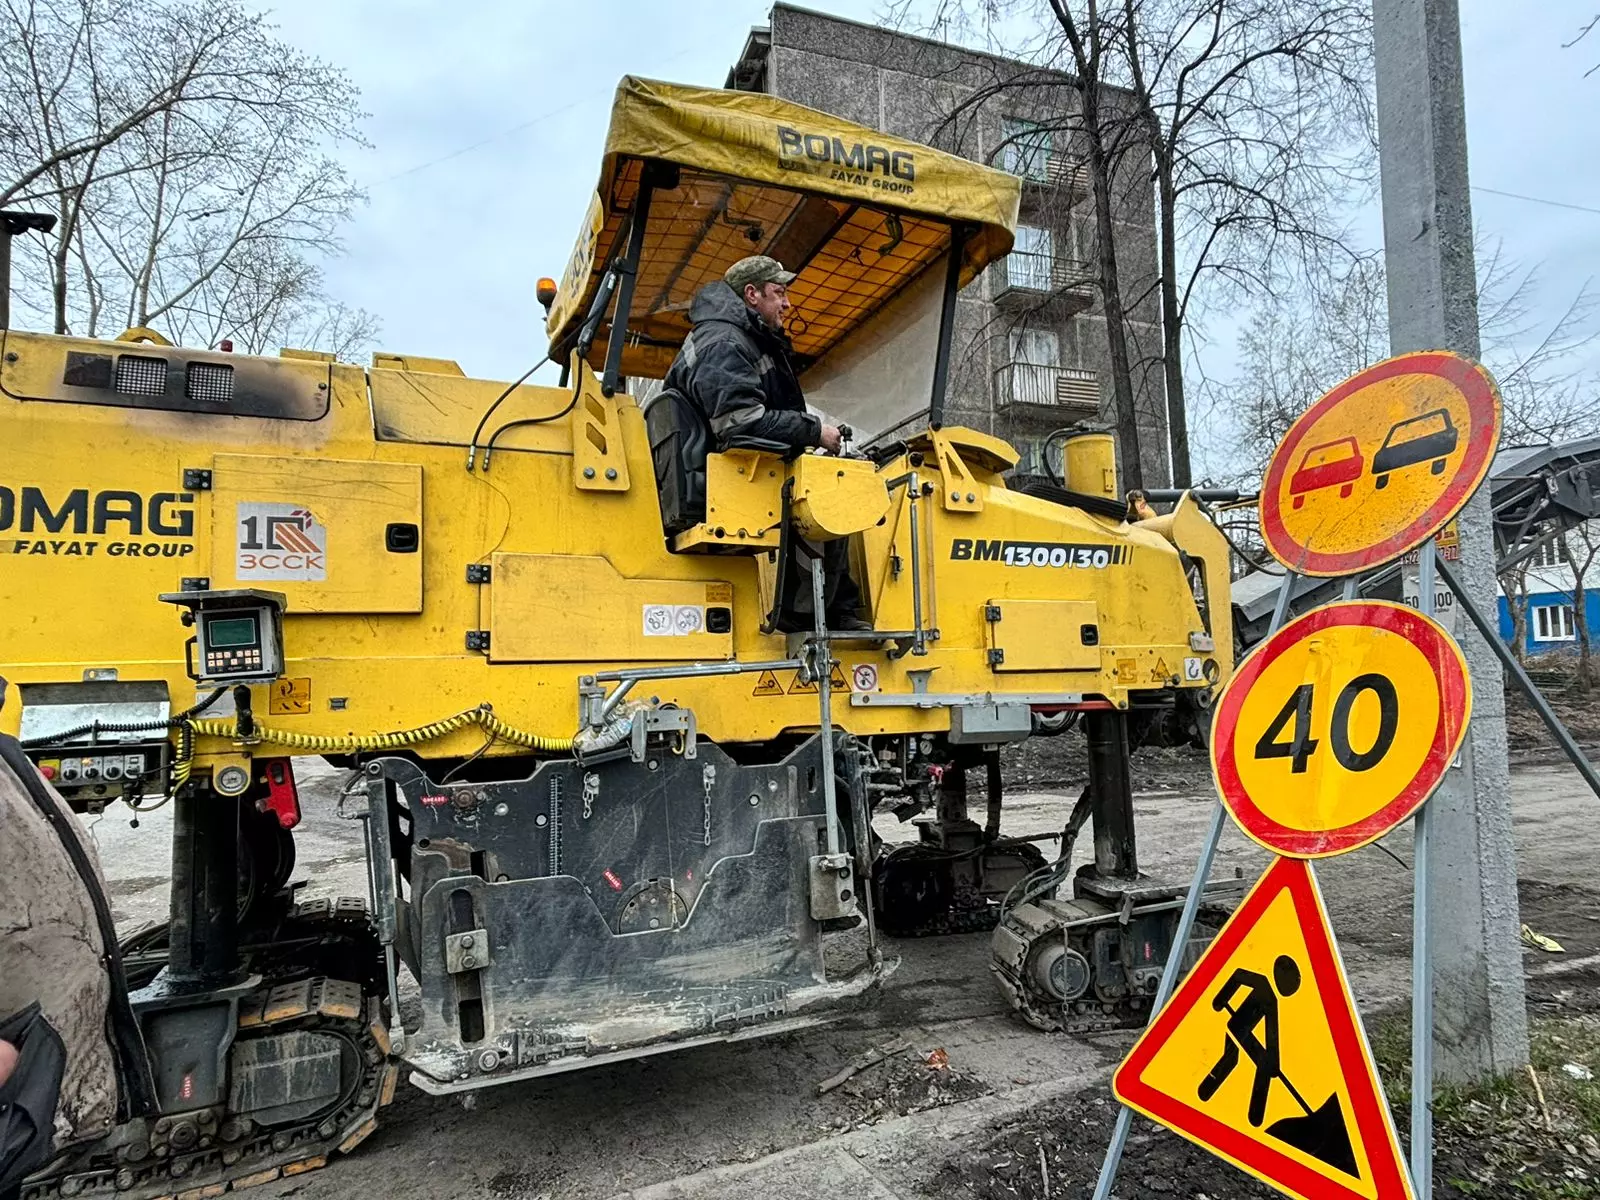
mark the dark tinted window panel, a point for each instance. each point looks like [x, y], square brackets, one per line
[141, 375]
[87, 370]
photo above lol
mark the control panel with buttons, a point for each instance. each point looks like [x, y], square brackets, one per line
[238, 634]
[90, 777]
[233, 644]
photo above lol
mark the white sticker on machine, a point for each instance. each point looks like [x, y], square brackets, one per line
[673, 620]
[280, 541]
[864, 676]
[1192, 669]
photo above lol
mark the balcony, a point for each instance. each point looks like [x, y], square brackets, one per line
[1065, 180]
[1044, 171]
[1027, 276]
[1063, 394]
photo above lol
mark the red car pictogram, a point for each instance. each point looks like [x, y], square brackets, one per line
[1332, 464]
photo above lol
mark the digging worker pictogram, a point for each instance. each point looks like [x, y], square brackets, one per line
[1321, 1132]
[1259, 1008]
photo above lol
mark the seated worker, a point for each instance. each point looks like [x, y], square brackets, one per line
[735, 367]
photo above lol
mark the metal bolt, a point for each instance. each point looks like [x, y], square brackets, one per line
[374, 769]
[179, 1168]
[588, 472]
[772, 785]
[125, 1180]
[12, 357]
[501, 810]
[971, 498]
[653, 764]
[541, 820]
[280, 1142]
[611, 473]
[754, 799]
[488, 1060]
[468, 961]
[955, 496]
[466, 942]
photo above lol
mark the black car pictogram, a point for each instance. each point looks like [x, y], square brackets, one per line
[1416, 440]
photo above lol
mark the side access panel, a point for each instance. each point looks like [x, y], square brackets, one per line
[334, 536]
[1043, 635]
[580, 608]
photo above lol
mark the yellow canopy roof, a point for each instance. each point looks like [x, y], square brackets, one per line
[855, 213]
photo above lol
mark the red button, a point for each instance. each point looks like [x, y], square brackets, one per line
[47, 771]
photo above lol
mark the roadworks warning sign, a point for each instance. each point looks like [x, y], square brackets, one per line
[1260, 1057]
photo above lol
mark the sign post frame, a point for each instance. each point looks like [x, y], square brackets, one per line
[1180, 938]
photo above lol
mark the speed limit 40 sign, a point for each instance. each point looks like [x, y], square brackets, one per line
[1339, 726]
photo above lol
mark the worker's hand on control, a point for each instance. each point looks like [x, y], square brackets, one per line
[8, 1060]
[831, 439]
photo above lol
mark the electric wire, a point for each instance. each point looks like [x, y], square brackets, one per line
[94, 728]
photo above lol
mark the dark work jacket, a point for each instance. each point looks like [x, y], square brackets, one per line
[736, 370]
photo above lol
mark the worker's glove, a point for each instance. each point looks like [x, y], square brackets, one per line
[28, 1096]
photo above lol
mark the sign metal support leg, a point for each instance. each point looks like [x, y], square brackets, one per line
[1180, 939]
[1421, 951]
[1508, 660]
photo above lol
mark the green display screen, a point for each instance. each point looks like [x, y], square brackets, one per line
[240, 631]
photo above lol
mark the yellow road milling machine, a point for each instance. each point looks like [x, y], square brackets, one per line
[608, 810]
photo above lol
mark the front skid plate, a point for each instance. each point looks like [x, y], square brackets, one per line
[827, 997]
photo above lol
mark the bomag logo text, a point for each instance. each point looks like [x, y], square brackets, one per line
[854, 162]
[96, 522]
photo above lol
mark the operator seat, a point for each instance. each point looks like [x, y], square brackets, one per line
[681, 443]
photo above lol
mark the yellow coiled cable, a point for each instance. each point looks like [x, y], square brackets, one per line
[482, 716]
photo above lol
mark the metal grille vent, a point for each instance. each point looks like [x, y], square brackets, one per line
[138, 375]
[210, 383]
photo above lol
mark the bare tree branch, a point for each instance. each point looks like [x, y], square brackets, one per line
[187, 153]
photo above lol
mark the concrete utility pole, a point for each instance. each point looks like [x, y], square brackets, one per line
[1480, 1017]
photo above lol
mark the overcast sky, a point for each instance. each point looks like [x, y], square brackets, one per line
[487, 121]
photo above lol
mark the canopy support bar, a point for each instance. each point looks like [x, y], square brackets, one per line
[947, 321]
[628, 269]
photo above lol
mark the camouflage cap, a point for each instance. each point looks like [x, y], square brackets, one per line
[756, 269]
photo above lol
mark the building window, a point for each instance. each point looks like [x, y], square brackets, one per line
[1027, 149]
[1552, 553]
[1553, 623]
[1030, 456]
[1035, 359]
[1028, 264]
[1037, 347]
